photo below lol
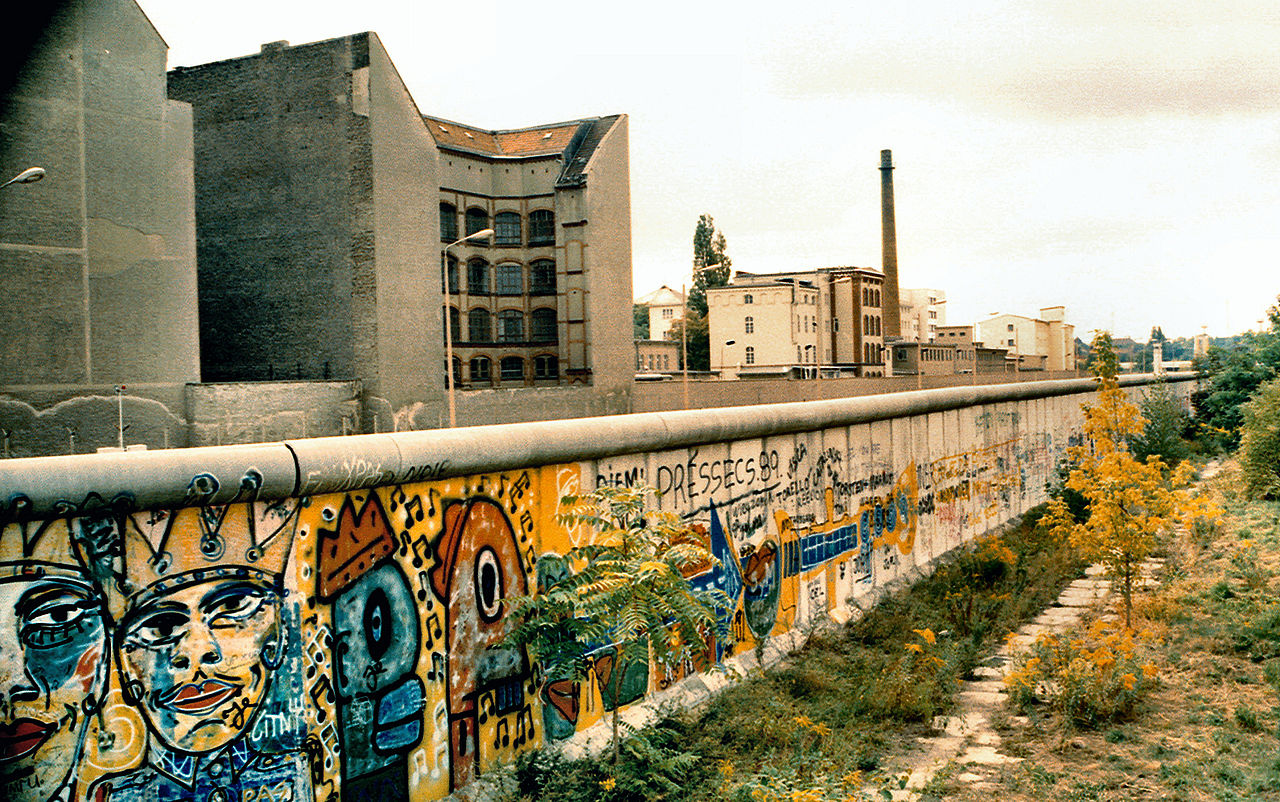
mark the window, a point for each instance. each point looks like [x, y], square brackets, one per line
[747, 299]
[478, 277]
[542, 277]
[835, 324]
[669, 313]
[751, 355]
[542, 227]
[454, 331]
[798, 357]
[452, 272]
[506, 229]
[749, 325]
[933, 314]
[510, 329]
[1010, 342]
[510, 279]
[875, 298]
[546, 367]
[481, 369]
[477, 220]
[479, 326]
[1010, 328]
[543, 325]
[457, 372]
[448, 222]
[666, 361]
[512, 368]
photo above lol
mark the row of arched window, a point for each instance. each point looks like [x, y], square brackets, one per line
[510, 368]
[871, 326]
[508, 227]
[511, 329]
[870, 296]
[507, 278]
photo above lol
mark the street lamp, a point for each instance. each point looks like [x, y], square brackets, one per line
[27, 176]
[448, 323]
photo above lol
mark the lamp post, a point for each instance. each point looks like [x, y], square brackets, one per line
[448, 323]
[684, 330]
[27, 176]
[120, 388]
[727, 343]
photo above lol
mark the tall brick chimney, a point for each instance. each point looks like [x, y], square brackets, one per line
[889, 249]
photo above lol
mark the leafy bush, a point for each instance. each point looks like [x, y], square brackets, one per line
[1260, 443]
[1096, 677]
[1167, 423]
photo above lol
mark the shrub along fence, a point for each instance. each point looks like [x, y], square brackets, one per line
[316, 619]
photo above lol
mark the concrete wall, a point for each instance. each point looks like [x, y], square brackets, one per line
[264, 412]
[97, 264]
[319, 612]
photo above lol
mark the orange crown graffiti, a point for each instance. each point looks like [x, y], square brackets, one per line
[169, 549]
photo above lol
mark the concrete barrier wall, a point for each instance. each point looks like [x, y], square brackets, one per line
[311, 619]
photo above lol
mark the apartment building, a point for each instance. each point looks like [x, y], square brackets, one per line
[794, 322]
[522, 303]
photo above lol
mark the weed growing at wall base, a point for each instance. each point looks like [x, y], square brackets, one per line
[818, 727]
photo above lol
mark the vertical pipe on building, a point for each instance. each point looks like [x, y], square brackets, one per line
[889, 248]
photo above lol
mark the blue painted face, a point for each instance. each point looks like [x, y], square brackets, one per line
[52, 642]
[197, 659]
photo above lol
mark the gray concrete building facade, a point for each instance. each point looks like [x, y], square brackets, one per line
[97, 260]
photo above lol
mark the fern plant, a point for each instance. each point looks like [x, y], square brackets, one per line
[628, 587]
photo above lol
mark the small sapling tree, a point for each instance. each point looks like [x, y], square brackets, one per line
[1130, 502]
[627, 588]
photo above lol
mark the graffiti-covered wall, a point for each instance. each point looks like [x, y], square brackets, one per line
[314, 619]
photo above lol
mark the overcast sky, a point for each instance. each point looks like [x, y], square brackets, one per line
[1118, 158]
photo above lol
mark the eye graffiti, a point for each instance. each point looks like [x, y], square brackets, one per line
[375, 619]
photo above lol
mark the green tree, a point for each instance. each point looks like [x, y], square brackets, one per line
[711, 263]
[699, 345]
[627, 587]
[1260, 442]
[1167, 424]
[639, 321]
[1232, 372]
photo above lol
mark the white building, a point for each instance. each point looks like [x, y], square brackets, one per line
[776, 322]
[922, 311]
[666, 306]
[1043, 343]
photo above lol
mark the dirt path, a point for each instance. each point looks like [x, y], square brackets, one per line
[967, 738]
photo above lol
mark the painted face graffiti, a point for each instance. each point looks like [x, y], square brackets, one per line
[52, 642]
[197, 660]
